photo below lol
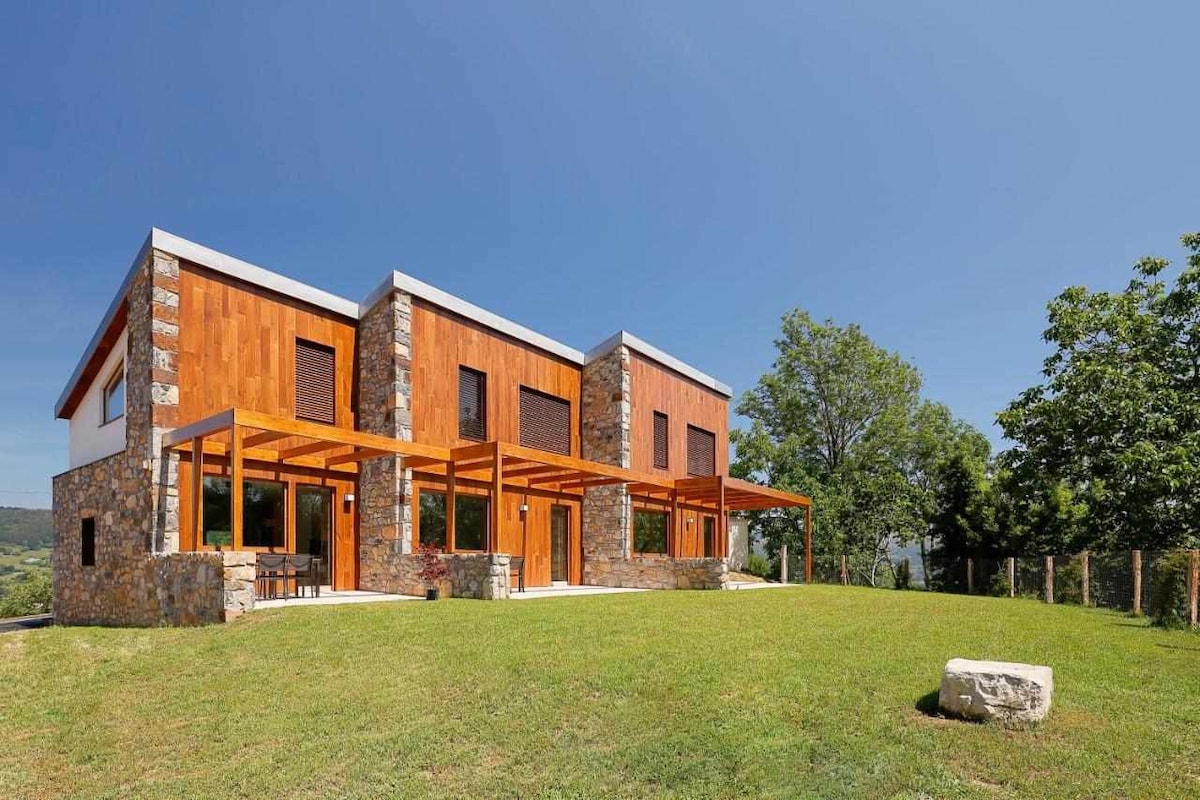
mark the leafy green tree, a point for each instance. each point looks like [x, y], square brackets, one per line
[1116, 422]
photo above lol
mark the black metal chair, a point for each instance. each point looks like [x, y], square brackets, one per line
[306, 570]
[516, 566]
[269, 569]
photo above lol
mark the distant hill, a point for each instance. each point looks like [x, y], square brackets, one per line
[28, 527]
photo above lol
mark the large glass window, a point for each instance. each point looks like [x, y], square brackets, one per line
[114, 396]
[263, 517]
[650, 531]
[470, 520]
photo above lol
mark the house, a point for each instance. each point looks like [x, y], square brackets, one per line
[222, 410]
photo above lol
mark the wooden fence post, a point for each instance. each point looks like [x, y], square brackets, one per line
[845, 572]
[1087, 584]
[1049, 579]
[1137, 583]
[783, 565]
[1194, 584]
[1012, 577]
[970, 576]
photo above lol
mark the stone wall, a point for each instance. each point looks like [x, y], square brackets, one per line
[607, 514]
[482, 576]
[384, 408]
[660, 572]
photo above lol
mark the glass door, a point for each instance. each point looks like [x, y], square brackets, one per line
[560, 539]
[314, 526]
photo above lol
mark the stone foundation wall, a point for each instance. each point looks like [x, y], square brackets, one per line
[481, 576]
[238, 570]
[659, 572]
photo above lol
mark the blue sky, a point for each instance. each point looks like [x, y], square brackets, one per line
[688, 171]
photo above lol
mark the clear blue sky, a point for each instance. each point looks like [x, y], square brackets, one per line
[935, 171]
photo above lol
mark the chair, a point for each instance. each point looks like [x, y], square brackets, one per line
[516, 566]
[306, 570]
[268, 570]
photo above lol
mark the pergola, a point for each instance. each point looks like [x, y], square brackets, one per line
[239, 436]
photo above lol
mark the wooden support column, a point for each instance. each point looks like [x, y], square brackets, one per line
[1137, 583]
[1012, 577]
[722, 518]
[676, 525]
[235, 485]
[1194, 585]
[1086, 587]
[450, 507]
[808, 555]
[497, 499]
[1049, 583]
[197, 492]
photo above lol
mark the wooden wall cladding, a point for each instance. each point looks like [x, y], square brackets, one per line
[656, 388]
[237, 347]
[443, 341]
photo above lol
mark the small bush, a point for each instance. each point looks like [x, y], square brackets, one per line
[1068, 582]
[27, 597]
[1168, 591]
[759, 566]
[904, 574]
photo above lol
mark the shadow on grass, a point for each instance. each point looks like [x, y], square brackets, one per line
[928, 705]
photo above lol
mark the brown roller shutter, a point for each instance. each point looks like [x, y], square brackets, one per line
[545, 422]
[314, 382]
[661, 449]
[701, 452]
[472, 405]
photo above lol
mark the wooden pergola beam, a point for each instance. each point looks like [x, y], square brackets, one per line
[361, 454]
[266, 437]
[590, 482]
[572, 475]
[309, 449]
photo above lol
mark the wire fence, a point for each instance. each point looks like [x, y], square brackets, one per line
[1163, 583]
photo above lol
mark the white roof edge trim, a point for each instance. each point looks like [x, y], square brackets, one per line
[650, 351]
[109, 313]
[252, 273]
[431, 294]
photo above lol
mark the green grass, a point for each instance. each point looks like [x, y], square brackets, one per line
[805, 692]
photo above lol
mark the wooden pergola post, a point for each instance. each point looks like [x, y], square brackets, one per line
[451, 505]
[235, 485]
[808, 558]
[722, 521]
[497, 498]
[1137, 582]
[676, 526]
[197, 492]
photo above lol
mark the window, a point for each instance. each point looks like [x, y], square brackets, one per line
[263, 515]
[545, 422]
[472, 404]
[650, 531]
[470, 520]
[87, 539]
[315, 382]
[114, 396]
[710, 537]
[661, 448]
[701, 452]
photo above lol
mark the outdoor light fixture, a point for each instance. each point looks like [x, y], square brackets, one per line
[524, 507]
[349, 498]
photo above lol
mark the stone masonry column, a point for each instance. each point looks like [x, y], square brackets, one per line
[384, 408]
[607, 512]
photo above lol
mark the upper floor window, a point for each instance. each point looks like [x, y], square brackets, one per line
[661, 439]
[114, 395]
[472, 404]
[315, 392]
[701, 452]
[545, 421]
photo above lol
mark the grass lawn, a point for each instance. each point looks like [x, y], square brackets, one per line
[803, 692]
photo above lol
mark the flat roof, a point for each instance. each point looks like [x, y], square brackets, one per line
[398, 281]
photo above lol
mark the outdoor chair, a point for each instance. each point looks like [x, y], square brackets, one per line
[269, 569]
[306, 570]
[516, 567]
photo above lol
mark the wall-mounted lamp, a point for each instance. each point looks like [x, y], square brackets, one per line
[348, 497]
[524, 508]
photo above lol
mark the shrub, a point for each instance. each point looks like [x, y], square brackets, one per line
[1068, 582]
[30, 596]
[759, 566]
[1168, 591]
[904, 574]
[433, 569]
[999, 585]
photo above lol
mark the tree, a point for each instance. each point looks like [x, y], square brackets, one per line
[1116, 421]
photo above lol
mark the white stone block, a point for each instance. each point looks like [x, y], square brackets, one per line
[986, 690]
